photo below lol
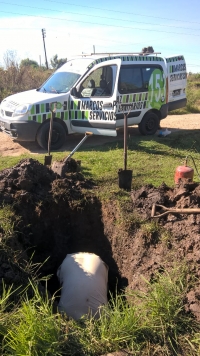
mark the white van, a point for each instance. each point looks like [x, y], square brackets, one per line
[93, 92]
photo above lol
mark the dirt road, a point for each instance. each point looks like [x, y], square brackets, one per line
[8, 147]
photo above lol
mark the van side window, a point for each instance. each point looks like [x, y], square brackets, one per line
[98, 83]
[135, 78]
[146, 73]
[130, 80]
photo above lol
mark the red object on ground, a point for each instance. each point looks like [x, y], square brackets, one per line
[183, 172]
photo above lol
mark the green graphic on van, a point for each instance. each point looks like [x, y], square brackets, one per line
[41, 112]
[156, 89]
[127, 59]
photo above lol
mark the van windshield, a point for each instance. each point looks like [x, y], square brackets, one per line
[60, 82]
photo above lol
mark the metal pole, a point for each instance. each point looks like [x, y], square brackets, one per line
[43, 36]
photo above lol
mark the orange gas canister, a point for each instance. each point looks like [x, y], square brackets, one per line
[183, 172]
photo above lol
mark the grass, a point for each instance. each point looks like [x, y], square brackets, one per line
[7, 216]
[153, 160]
[139, 323]
[33, 329]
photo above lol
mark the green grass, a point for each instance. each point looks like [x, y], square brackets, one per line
[140, 323]
[33, 329]
[7, 217]
[152, 159]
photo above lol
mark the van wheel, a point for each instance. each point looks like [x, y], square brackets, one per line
[58, 136]
[149, 124]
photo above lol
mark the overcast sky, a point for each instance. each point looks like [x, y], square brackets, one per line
[172, 27]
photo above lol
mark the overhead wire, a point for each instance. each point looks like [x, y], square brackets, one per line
[108, 25]
[101, 17]
[100, 24]
[121, 12]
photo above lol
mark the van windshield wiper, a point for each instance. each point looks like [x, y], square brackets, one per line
[52, 88]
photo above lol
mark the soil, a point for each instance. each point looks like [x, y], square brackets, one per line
[54, 216]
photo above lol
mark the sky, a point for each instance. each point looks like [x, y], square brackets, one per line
[171, 27]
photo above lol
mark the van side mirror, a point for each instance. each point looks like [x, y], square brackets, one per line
[74, 92]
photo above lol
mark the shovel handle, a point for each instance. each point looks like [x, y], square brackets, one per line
[87, 133]
[173, 211]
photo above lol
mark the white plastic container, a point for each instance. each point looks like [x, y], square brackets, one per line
[84, 280]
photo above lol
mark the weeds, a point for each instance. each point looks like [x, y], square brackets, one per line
[142, 323]
[163, 309]
[7, 216]
[33, 329]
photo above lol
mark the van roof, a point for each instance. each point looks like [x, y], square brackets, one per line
[79, 64]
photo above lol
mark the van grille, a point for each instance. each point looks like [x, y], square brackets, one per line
[8, 113]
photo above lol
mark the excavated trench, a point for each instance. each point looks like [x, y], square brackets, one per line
[54, 216]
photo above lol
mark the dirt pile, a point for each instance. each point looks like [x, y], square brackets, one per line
[179, 239]
[55, 216]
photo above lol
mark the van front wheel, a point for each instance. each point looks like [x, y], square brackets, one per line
[149, 124]
[58, 136]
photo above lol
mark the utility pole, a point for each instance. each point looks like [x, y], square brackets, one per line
[43, 36]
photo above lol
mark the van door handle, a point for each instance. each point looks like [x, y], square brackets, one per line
[107, 105]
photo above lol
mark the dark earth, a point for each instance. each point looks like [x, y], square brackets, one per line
[54, 216]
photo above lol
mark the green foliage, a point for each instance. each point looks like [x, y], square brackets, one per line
[16, 78]
[57, 63]
[29, 62]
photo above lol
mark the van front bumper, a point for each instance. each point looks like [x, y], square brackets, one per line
[20, 130]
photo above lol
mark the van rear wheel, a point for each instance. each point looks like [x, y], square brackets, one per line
[58, 138]
[149, 124]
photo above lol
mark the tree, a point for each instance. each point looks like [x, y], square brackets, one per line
[10, 59]
[57, 63]
[29, 62]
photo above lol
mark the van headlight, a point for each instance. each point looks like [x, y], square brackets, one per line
[21, 110]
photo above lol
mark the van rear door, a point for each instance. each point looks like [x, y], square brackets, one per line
[177, 81]
[93, 108]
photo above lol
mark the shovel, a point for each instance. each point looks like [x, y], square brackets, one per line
[61, 167]
[172, 211]
[125, 176]
[48, 159]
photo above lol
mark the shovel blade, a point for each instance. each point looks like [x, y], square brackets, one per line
[47, 160]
